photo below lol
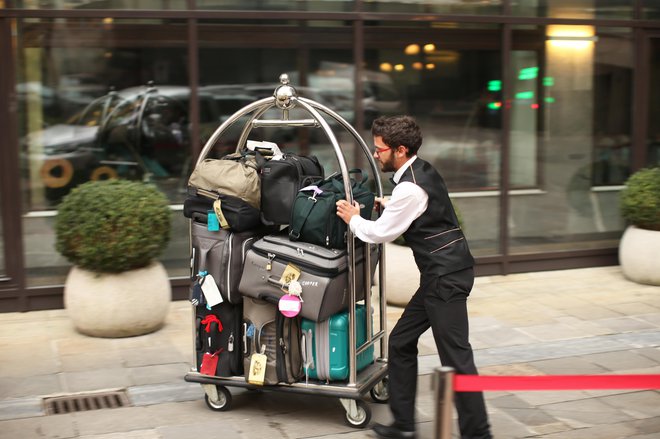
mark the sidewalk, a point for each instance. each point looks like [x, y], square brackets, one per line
[583, 321]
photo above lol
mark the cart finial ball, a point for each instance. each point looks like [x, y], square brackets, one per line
[283, 95]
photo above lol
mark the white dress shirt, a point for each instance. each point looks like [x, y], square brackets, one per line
[407, 203]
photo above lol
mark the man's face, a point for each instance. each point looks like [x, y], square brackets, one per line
[384, 155]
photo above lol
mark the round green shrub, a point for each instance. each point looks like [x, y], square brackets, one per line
[640, 200]
[113, 226]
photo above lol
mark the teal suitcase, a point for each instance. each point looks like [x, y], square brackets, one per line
[326, 355]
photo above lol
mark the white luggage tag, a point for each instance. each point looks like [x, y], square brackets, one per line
[307, 353]
[211, 291]
[258, 363]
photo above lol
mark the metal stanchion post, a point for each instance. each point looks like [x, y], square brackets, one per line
[444, 401]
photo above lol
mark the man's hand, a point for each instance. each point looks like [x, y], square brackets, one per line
[380, 202]
[345, 211]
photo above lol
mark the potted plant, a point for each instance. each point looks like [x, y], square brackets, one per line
[639, 248]
[112, 232]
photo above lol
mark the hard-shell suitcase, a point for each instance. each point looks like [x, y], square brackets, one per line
[280, 181]
[265, 327]
[324, 273]
[326, 343]
[222, 254]
[220, 335]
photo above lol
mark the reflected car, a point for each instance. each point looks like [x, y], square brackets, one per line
[136, 133]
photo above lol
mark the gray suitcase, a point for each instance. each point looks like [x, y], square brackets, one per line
[324, 273]
[221, 254]
[264, 325]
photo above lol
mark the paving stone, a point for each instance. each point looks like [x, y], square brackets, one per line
[152, 355]
[568, 366]
[18, 387]
[585, 412]
[624, 324]
[621, 361]
[610, 431]
[135, 434]
[44, 427]
[643, 404]
[158, 373]
[86, 361]
[20, 408]
[116, 378]
[118, 420]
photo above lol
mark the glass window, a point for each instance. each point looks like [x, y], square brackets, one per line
[278, 5]
[651, 9]
[487, 7]
[615, 9]
[321, 71]
[570, 136]
[98, 99]
[97, 4]
[3, 267]
[449, 79]
[653, 137]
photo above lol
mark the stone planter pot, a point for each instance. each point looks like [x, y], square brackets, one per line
[639, 255]
[125, 304]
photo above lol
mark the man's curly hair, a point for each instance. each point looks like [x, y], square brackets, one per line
[398, 130]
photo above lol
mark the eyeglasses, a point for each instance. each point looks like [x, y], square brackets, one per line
[381, 150]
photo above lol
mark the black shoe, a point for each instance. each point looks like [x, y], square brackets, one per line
[390, 431]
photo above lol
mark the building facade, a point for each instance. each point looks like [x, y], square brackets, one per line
[535, 111]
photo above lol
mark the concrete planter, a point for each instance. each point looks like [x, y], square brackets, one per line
[126, 304]
[639, 255]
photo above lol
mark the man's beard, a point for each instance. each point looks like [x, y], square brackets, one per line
[388, 166]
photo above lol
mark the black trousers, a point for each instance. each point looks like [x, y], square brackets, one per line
[439, 303]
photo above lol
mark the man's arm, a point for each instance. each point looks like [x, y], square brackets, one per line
[408, 202]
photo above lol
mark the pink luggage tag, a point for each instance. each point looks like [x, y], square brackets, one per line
[291, 303]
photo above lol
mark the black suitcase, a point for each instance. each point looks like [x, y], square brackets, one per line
[280, 182]
[227, 343]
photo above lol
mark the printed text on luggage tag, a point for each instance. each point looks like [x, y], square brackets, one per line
[211, 291]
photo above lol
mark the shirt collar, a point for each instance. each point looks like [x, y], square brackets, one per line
[399, 173]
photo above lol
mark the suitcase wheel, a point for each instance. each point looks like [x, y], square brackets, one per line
[358, 413]
[220, 400]
[380, 393]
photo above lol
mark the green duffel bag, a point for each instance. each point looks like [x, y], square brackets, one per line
[314, 215]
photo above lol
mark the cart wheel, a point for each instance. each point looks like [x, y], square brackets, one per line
[223, 403]
[359, 416]
[380, 393]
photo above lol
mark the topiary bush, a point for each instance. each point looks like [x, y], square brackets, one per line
[640, 200]
[112, 226]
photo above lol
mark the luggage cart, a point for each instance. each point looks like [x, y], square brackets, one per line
[372, 379]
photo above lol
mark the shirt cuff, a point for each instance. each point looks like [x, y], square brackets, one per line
[354, 222]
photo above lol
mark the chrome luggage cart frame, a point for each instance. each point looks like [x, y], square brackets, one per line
[373, 378]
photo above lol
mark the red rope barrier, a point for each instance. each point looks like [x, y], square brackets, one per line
[477, 383]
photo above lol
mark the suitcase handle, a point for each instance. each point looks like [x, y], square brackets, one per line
[270, 298]
[275, 282]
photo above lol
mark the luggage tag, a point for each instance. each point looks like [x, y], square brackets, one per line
[291, 303]
[212, 223]
[258, 364]
[211, 291]
[210, 363]
[217, 208]
[291, 273]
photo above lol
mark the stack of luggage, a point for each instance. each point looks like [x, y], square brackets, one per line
[270, 268]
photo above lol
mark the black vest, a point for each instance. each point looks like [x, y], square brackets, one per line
[435, 238]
